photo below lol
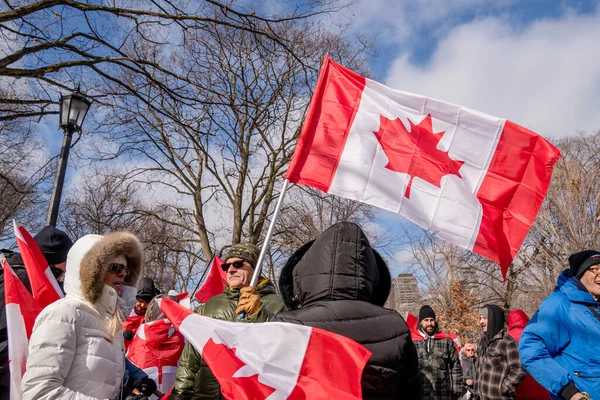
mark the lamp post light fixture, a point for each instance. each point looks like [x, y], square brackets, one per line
[73, 109]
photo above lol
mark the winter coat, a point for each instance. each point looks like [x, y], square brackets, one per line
[499, 370]
[439, 365]
[469, 367]
[339, 283]
[71, 353]
[16, 262]
[529, 389]
[560, 347]
[156, 349]
[194, 380]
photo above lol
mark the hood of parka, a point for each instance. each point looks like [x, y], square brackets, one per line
[339, 264]
[87, 263]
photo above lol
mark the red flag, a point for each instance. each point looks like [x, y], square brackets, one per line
[475, 180]
[44, 287]
[286, 361]
[156, 349]
[214, 283]
[21, 311]
[456, 340]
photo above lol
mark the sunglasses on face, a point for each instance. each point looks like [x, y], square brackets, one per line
[117, 268]
[236, 264]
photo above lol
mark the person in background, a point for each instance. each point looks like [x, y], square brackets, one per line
[194, 380]
[339, 283]
[560, 347]
[54, 245]
[76, 347]
[529, 389]
[157, 347]
[499, 370]
[146, 292]
[468, 364]
[439, 364]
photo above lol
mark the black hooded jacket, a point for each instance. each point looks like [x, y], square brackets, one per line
[337, 282]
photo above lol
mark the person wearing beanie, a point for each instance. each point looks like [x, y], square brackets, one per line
[439, 364]
[499, 370]
[146, 292]
[559, 346]
[339, 283]
[193, 378]
[54, 245]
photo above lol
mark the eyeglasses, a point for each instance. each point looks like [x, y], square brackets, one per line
[469, 350]
[117, 268]
[236, 264]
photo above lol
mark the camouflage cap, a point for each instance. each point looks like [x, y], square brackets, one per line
[246, 251]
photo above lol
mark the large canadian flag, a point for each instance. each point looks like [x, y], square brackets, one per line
[44, 287]
[214, 283]
[273, 360]
[21, 311]
[472, 179]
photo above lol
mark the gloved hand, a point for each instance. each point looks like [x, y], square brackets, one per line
[145, 385]
[128, 335]
[249, 301]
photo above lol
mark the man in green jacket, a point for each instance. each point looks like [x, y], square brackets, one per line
[194, 380]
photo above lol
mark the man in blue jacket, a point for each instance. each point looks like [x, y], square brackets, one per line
[560, 347]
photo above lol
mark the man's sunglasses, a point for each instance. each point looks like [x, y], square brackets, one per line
[236, 264]
[117, 268]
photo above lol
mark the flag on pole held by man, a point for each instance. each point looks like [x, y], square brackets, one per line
[472, 179]
[44, 287]
[273, 360]
[21, 311]
[214, 283]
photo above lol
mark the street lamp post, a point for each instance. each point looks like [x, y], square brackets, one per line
[73, 109]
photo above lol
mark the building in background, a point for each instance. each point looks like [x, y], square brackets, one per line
[404, 295]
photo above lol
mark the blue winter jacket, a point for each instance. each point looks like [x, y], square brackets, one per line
[561, 343]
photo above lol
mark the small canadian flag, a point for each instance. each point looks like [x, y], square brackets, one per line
[273, 360]
[214, 283]
[21, 311]
[472, 179]
[43, 283]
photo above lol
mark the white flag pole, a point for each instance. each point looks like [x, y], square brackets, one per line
[265, 246]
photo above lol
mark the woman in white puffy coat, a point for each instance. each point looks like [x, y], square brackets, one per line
[76, 348]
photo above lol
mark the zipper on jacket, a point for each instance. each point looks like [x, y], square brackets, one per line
[580, 375]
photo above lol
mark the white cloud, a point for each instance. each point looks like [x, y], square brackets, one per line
[545, 76]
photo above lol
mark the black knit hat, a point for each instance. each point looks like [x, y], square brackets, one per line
[54, 244]
[580, 262]
[146, 289]
[426, 312]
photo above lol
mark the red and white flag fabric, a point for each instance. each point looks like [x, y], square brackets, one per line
[413, 325]
[44, 287]
[214, 283]
[456, 339]
[273, 360]
[156, 349]
[21, 311]
[472, 179]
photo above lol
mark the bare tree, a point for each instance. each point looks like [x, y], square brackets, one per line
[52, 45]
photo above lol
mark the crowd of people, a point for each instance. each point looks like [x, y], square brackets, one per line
[108, 338]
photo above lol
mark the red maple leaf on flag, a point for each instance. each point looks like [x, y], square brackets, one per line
[415, 153]
[224, 363]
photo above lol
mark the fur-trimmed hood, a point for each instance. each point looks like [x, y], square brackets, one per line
[339, 264]
[87, 263]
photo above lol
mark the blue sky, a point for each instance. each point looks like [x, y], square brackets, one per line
[535, 62]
